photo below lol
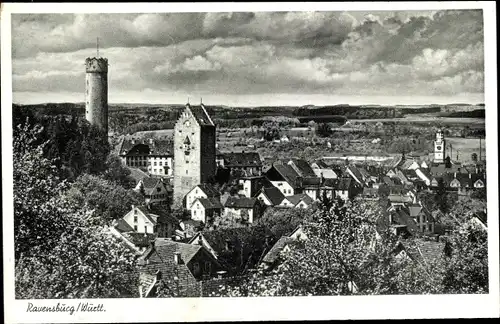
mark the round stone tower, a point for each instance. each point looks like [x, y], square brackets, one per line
[96, 92]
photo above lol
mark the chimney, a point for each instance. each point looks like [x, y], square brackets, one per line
[470, 175]
[200, 240]
[177, 257]
[150, 141]
[455, 175]
[133, 206]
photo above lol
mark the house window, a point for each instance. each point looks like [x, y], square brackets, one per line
[135, 228]
[145, 229]
[135, 219]
[194, 212]
[186, 171]
[196, 268]
[208, 267]
[135, 211]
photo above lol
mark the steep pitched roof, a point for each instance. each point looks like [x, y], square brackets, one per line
[163, 215]
[250, 242]
[240, 202]
[274, 253]
[295, 199]
[339, 184]
[210, 203]
[321, 164]
[302, 167]
[242, 159]
[288, 173]
[150, 184]
[146, 146]
[355, 172]
[208, 189]
[201, 115]
[273, 194]
[122, 226]
[187, 251]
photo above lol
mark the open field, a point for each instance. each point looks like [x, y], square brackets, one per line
[423, 119]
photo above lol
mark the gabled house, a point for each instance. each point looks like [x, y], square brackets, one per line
[250, 186]
[206, 209]
[285, 178]
[151, 220]
[274, 256]
[203, 190]
[236, 249]
[321, 169]
[155, 190]
[302, 168]
[312, 187]
[424, 175]
[249, 163]
[297, 201]
[246, 209]
[270, 196]
[344, 188]
[177, 268]
[391, 173]
[424, 219]
[480, 219]
[409, 165]
[154, 155]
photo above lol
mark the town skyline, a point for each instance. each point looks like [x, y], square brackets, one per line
[255, 58]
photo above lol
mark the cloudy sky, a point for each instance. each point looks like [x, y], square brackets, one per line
[254, 58]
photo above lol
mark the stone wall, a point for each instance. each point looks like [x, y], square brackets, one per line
[96, 92]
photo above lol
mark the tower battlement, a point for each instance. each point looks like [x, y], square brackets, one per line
[96, 65]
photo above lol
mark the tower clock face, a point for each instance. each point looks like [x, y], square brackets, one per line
[438, 147]
[187, 123]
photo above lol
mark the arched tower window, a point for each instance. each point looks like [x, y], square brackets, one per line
[187, 146]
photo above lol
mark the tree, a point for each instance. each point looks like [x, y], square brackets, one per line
[59, 251]
[324, 130]
[271, 131]
[116, 172]
[474, 157]
[282, 221]
[341, 256]
[109, 200]
[228, 220]
[467, 263]
[87, 262]
[38, 211]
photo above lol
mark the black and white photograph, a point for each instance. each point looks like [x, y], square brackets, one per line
[229, 154]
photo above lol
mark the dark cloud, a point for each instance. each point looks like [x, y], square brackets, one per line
[242, 53]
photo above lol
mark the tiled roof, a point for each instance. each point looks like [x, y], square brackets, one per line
[140, 239]
[321, 164]
[338, 184]
[162, 259]
[249, 241]
[302, 167]
[482, 216]
[288, 173]
[146, 146]
[187, 251]
[150, 184]
[242, 159]
[355, 172]
[164, 216]
[295, 199]
[396, 198]
[208, 189]
[240, 202]
[275, 251]
[273, 194]
[388, 181]
[201, 115]
[409, 174]
[311, 182]
[122, 226]
[210, 203]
